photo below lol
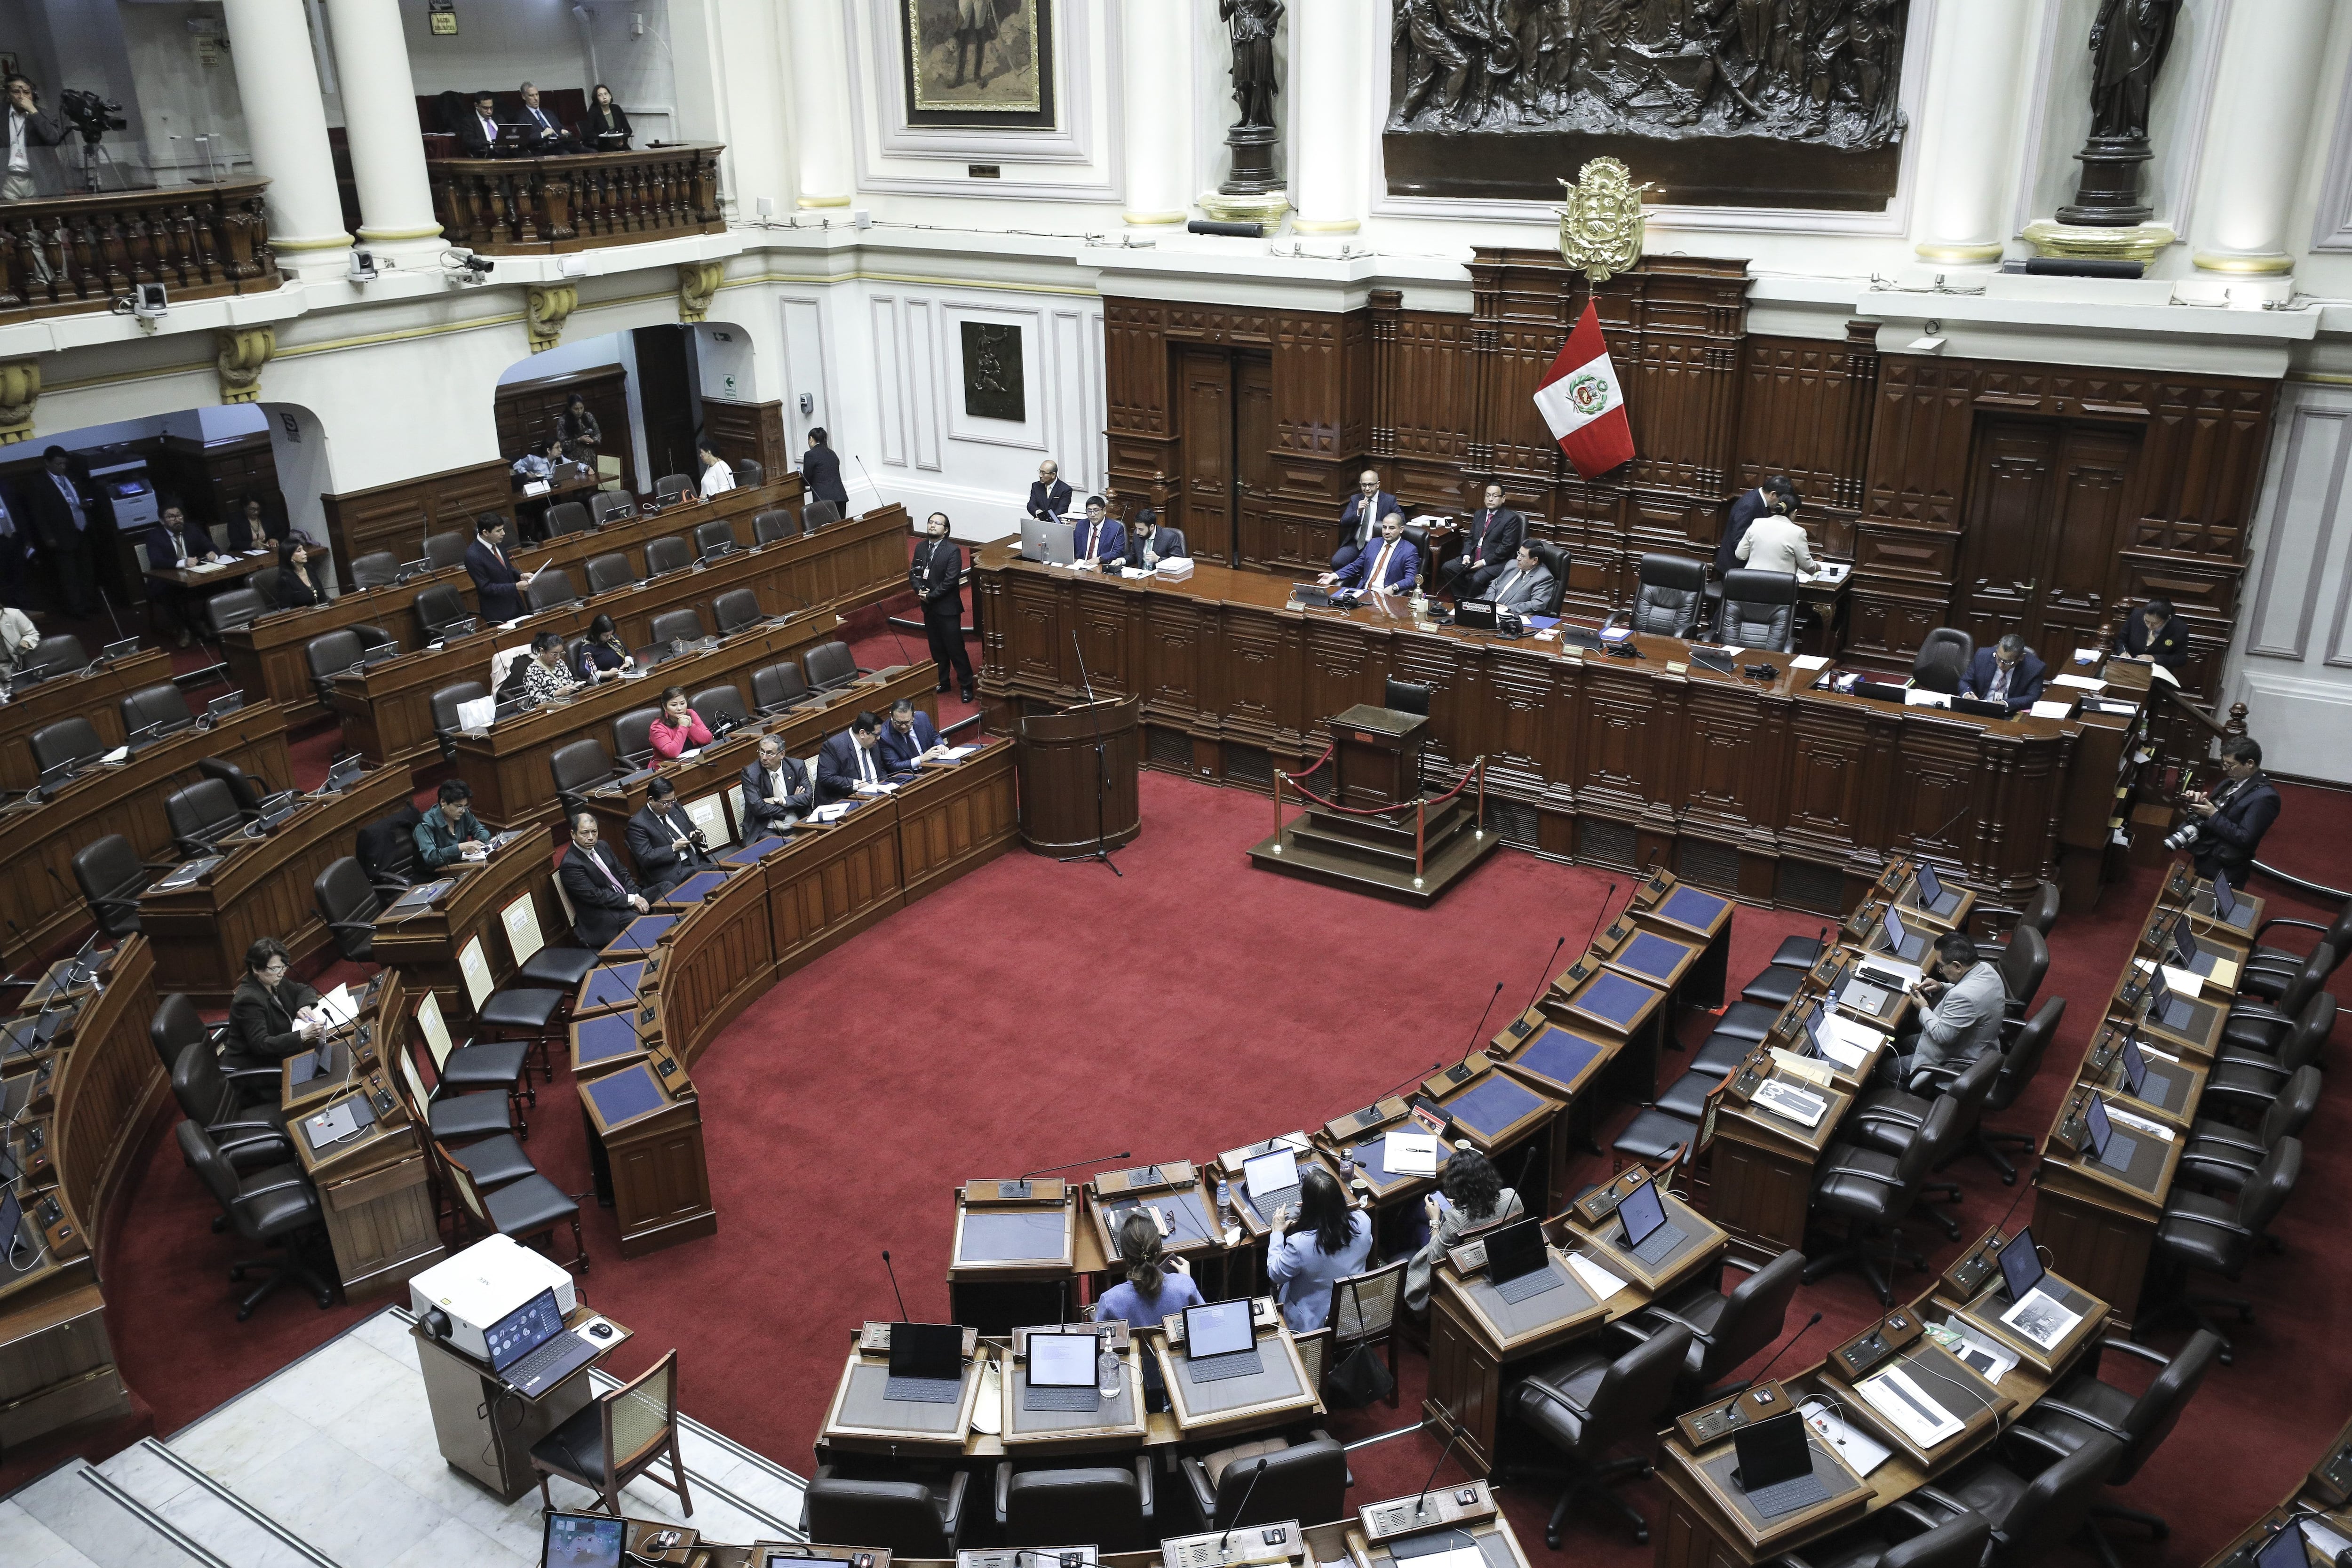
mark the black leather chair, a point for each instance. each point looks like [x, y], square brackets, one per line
[818, 513]
[386, 850]
[1759, 611]
[1406, 696]
[2198, 1231]
[714, 539]
[521, 1209]
[248, 789]
[610, 571]
[2245, 1081]
[226, 612]
[73, 741]
[2021, 1058]
[265, 582]
[670, 554]
[447, 549]
[909, 1518]
[2258, 1026]
[2022, 964]
[2040, 913]
[1776, 984]
[2031, 1515]
[670, 487]
[112, 877]
[736, 610]
[1874, 1192]
[347, 901]
[1957, 1542]
[331, 653]
[273, 1204]
[60, 653]
[2269, 969]
[633, 735]
[770, 526]
[1418, 538]
[201, 815]
[1306, 1479]
[1943, 659]
[1556, 561]
[159, 710]
[720, 704]
[2082, 1409]
[1888, 1119]
[1583, 1404]
[1672, 591]
[551, 589]
[1725, 1329]
[776, 687]
[376, 569]
[1106, 1505]
[437, 609]
[477, 1122]
[2222, 1157]
[445, 703]
[675, 626]
[248, 1136]
[567, 517]
[830, 666]
[578, 766]
[748, 474]
[606, 505]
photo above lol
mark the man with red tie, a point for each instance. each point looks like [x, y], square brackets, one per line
[1099, 540]
[1389, 566]
[1488, 545]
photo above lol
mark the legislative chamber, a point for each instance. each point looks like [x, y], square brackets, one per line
[756, 762]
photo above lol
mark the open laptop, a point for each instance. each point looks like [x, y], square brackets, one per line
[1518, 1265]
[926, 1363]
[1934, 897]
[2109, 1147]
[1904, 943]
[1981, 708]
[530, 1349]
[583, 1541]
[1775, 1466]
[1650, 1235]
[1220, 1341]
[1311, 595]
[1062, 1372]
[1272, 1180]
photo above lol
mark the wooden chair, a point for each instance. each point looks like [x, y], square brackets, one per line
[1365, 1309]
[1315, 1355]
[615, 1437]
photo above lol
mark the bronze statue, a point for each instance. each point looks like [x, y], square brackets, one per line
[1252, 23]
[2128, 43]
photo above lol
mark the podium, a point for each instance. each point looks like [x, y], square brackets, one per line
[1376, 754]
[1055, 756]
[1377, 831]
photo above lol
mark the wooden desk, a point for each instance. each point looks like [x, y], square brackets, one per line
[95, 695]
[487, 1428]
[1176, 1189]
[644, 1145]
[1281, 1392]
[954, 816]
[1607, 1004]
[1380, 1531]
[1762, 1176]
[1015, 1251]
[425, 945]
[1692, 915]
[861, 1420]
[1563, 1063]
[375, 1191]
[1116, 1426]
[1499, 1110]
[1356, 1143]
[269, 656]
[260, 887]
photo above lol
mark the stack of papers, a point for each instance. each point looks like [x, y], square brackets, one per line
[1798, 1105]
[1846, 1041]
[2079, 682]
[2041, 1319]
[2087, 656]
[338, 1006]
[954, 754]
[2045, 709]
[1918, 697]
[1987, 1360]
[1410, 1155]
[1914, 1413]
[1808, 661]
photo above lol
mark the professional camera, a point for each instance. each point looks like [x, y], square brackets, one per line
[2186, 835]
[91, 115]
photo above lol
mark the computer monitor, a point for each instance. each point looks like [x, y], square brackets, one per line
[1931, 886]
[1271, 1172]
[927, 1350]
[1062, 1361]
[1892, 924]
[582, 1541]
[523, 1331]
[2225, 902]
[1642, 1212]
[1219, 1328]
[1772, 1451]
[2284, 1550]
[2135, 1065]
[2095, 1118]
[2020, 1265]
[1514, 1250]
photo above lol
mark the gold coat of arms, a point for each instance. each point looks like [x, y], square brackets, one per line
[1601, 222]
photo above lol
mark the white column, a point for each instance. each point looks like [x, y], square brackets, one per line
[1156, 97]
[270, 45]
[1978, 72]
[1327, 117]
[821, 104]
[2257, 137]
[380, 123]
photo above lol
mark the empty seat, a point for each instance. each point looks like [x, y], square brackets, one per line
[736, 609]
[1759, 610]
[224, 613]
[608, 572]
[331, 653]
[445, 702]
[672, 625]
[438, 609]
[632, 733]
[670, 487]
[68, 743]
[606, 505]
[817, 513]
[247, 788]
[714, 539]
[830, 666]
[776, 687]
[1672, 593]
[375, 570]
[748, 474]
[721, 708]
[551, 588]
[1944, 656]
[578, 766]
[443, 551]
[770, 526]
[201, 816]
[671, 554]
[348, 903]
[156, 710]
[386, 849]
[567, 517]
[112, 877]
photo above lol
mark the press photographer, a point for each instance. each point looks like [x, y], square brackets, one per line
[2225, 826]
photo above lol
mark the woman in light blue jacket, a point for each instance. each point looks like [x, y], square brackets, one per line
[1329, 1242]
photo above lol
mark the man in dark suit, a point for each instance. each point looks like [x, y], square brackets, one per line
[2234, 817]
[910, 735]
[61, 518]
[1048, 497]
[1526, 584]
[541, 130]
[664, 841]
[174, 538]
[850, 759]
[2006, 672]
[477, 132]
[1488, 542]
[777, 790]
[1153, 542]
[1390, 566]
[2153, 632]
[604, 897]
[1097, 539]
[1775, 495]
[937, 576]
[495, 577]
[271, 1016]
[1359, 520]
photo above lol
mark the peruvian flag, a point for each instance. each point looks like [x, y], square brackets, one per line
[1581, 400]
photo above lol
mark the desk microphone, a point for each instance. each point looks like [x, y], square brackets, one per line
[1413, 1077]
[1784, 1350]
[1022, 1181]
[904, 1316]
[1421, 1502]
[1543, 978]
[1479, 1028]
[1256, 1475]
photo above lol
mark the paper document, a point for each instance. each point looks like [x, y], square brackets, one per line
[2086, 656]
[1593, 1277]
[2045, 709]
[1987, 1360]
[116, 755]
[1847, 1041]
[833, 813]
[1410, 1153]
[2121, 1117]
[2079, 682]
[1804, 1067]
[1915, 1412]
[2183, 982]
[1916, 696]
[1808, 661]
[1861, 1454]
[2157, 673]
[953, 753]
[338, 1006]
[1798, 1105]
[478, 713]
[1459, 1557]
[2041, 1319]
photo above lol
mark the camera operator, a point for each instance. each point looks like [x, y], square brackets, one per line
[2226, 827]
[27, 128]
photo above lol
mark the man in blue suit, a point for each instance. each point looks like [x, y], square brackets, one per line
[910, 735]
[851, 759]
[1100, 539]
[2005, 672]
[1389, 565]
[495, 577]
[1360, 519]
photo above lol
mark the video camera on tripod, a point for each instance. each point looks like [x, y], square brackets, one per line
[91, 115]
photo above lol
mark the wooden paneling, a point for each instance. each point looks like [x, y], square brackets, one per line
[754, 430]
[527, 413]
[397, 517]
[110, 1081]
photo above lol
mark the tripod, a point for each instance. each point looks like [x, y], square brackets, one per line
[1101, 851]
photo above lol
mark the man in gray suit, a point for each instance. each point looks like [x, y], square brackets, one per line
[1963, 1002]
[1526, 584]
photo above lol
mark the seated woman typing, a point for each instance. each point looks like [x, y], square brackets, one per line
[680, 728]
[1330, 1241]
[1470, 1193]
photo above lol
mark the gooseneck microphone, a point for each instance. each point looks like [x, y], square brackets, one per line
[1074, 1164]
[904, 1316]
[1784, 1350]
[1479, 1028]
[1421, 1502]
[1256, 1475]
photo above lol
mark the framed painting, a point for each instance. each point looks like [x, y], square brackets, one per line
[987, 64]
[993, 380]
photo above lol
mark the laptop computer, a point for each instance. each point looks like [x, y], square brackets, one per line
[1311, 595]
[1220, 1341]
[582, 1541]
[530, 1349]
[2109, 1147]
[2136, 1081]
[1714, 658]
[1045, 539]
[2225, 902]
[1650, 1235]
[926, 1363]
[1981, 708]
[1518, 1265]
[1272, 1180]
[1775, 1466]
[1934, 897]
[1062, 1372]
[1900, 941]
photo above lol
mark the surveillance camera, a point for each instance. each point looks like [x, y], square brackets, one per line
[363, 269]
[150, 301]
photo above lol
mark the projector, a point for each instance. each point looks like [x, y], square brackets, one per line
[458, 1301]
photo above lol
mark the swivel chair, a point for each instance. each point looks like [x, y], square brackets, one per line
[1672, 592]
[1583, 1404]
[274, 1204]
[112, 877]
[909, 1518]
[1943, 659]
[1759, 611]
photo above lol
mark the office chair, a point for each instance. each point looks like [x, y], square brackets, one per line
[1725, 1329]
[1557, 562]
[609, 1441]
[446, 700]
[68, 742]
[2029, 1516]
[776, 687]
[201, 815]
[249, 790]
[2245, 1081]
[437, 609]
[830, 666]
[331, 653]
[678, 625]
[909, 1518]
[1776, 984]
[61, 653]
[551, 589]
[376, 569]
[721, 702]
[2040, 913]
[633, 735]
[273, 1204]
[110, 876]
[1874, 1192]
[736, 610]
[1759, 611]
[2222, 1158]
[2256, 1026]
[470, 1120]
[159, 705]
[714, 539]
[670, 487]
[1106, 1505]
[610, 571]
[532, 1206]
[247, 1136]
[665, 555]
[817, 514]
[386, 850]
[2082, 1409]
[1654, 1135]
[2023, 962]
[772, 525]
[226, 612]
[567, 517]
[606, 505]
[1406, 696]
[1304, 1479]
[175, 1025]
[2269, 969]
[1583, 1404]
[1944, 656]
[1672, 592]
[2198, 1231]
[1418, 537]
[1957, 1542]
[748, 474]
[580, 766]
[347, 901]
[445, 550]
[1888, 1118]
[2021, 1058]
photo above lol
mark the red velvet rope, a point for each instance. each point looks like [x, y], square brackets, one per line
[1377, 810]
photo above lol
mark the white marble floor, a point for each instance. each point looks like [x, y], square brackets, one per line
[333, 1463]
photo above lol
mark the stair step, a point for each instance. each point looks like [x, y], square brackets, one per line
[102, 1524]
[1372, 831]
[1370, 872]
[1316, 833]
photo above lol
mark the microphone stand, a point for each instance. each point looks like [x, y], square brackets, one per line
[1101, 851]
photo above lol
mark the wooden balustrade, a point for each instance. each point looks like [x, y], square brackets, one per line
[525, 206]
[60, 255]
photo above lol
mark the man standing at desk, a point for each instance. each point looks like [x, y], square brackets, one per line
[450, 832]
[271, 1016]
[777, 790]
[2006, 672]
[1776, 497]
[1962, 1001]
[850, 760]
[605, 898]
[908, 737]
[1488, 542]
[1048, 497]
[1098, 539]
[664, 841]
[2233, 817]
[495, 577]
[1388, 567]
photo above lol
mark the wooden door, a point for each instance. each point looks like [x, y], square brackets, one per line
[1253, 473]
[1205, 376]
[669, 412]
[2045, 511]
[2080, 572]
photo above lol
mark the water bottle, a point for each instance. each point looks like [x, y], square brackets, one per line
[1347, 1167]
[1225, 1203]
[1110, 1376]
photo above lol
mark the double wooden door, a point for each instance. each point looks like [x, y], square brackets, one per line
[2045, 522]
[1227, 397]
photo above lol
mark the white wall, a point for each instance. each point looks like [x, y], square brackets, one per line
[501, 44]
[2291, 662]
[185, 90]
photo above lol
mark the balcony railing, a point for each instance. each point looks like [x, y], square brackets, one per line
[59, 254]
[528, 206]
